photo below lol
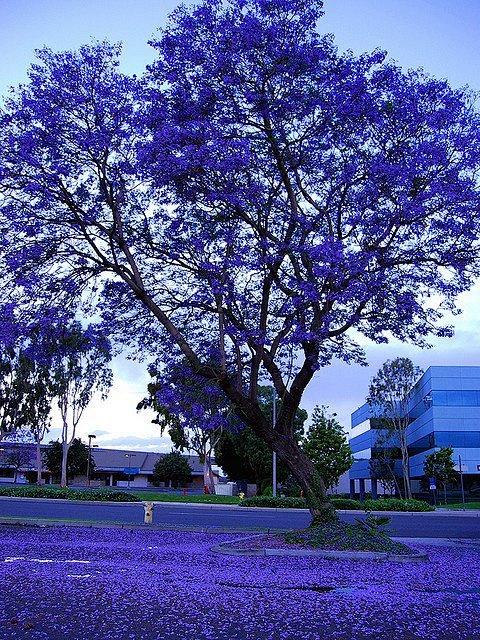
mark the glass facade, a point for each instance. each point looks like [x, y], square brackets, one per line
[460, 398]
[444, 412]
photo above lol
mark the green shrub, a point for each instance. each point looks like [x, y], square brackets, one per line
[297, 503]
[394, 504]
[58, 493]
[109, 495]
[346, 504]
[35, 492]
[278, 502]
[340, 536]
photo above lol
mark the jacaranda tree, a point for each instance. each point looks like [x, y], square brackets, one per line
[191, 409]
[14, 375]
[256, 189]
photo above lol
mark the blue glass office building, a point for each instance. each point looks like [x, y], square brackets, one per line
[444, 411]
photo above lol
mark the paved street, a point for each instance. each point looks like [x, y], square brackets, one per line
[421, 525]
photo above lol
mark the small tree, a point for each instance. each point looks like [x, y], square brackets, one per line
[382, 466]
[327, 447]
[192, 410]
[77, 459]
[17, 452]
[173, 468]
[389, 395]
[440, 466]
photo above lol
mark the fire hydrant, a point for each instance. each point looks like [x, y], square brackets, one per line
[148, 506]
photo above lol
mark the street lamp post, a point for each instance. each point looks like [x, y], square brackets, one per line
[461, 481]
[88, 459]
[129, 456]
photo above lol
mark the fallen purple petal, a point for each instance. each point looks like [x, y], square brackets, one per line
[169, 585]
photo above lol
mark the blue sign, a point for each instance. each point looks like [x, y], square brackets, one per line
[132, 471]
[433, 485]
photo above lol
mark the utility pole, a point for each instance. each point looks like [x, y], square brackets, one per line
[274, 461]
[89, 454]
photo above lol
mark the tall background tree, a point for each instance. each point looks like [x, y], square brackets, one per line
[389, 396]
[15, 370]
[79, 367]
[26, 386]
[41, 384]
[383, 463]
[327, 447]
[243, 455]
[256, 189]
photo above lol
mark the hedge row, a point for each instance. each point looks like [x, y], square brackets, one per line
[100, 495]
[278, 502]
[394, 504]
[383, 504]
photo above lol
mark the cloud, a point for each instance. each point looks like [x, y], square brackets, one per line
[136, 443]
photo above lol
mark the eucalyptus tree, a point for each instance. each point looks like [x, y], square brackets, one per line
[256, 189]
[14, 375]
[79, 367]
[389, 398]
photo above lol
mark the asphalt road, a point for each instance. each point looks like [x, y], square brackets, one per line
[421, 525]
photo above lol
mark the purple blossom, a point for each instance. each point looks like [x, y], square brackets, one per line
[256, 190]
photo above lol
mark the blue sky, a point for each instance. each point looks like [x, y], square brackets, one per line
[442, 36]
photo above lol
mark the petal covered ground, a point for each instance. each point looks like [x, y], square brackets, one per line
[112, 584]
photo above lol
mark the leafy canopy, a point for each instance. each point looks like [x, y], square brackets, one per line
[244, 456]
[172, 467]
[440, 466]
[77, 458]
[326, 445]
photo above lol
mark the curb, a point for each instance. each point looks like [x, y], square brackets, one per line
[226, 548]
[100, 524]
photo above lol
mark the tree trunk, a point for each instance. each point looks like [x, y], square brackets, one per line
[406, 477]
[311, 483]
[208, 474]
[63, 479]
[280, 439]
[39, 462]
